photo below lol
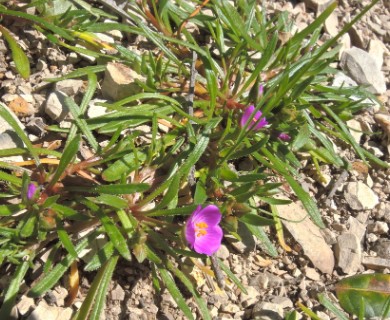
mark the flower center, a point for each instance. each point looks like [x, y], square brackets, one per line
[201, 229]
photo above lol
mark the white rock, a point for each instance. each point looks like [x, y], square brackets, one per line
[379, 227]
[25, 305]
[308, 235]
[119, 82]
[55, 106]
[363, 69]
[223, 252]
[376, 263]
[117, 293]
[331, 24]
[94, 110]
[359, 196]
[356, 130]
[348, 253]
[9, 140]
[376, 49]
[250, 298]
[372, 147]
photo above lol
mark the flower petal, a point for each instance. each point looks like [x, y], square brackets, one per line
[190, 233]
[209, 243]
[209, 214]
[246, 115]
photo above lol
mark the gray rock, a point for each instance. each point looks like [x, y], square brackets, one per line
[267, 311]
[363, 69]
[70, 86]
[8, 140]
[359, 196]
[348, 253]
[382, 248]
[55, 106]
[25, 305]
[356, 228]
[250, 298]
[117, 293]
[376, 263]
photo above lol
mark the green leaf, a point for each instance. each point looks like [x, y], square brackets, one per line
[8, 209]
[12, 290]
[65, 239]
[71, 148]
[302, 138]
[323, 299]
[372, 291]
[110, 200]
[6, 114]
[93, 304]
[57, 272]
[100, 257]
[255, 220]
[232, 276]
[123, 166]
[175, 292]
[121, 188]
[18, 56]
[56, 30]
[115, 235]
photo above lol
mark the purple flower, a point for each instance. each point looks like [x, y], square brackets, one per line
[261, 90]
[202, 230]
[31, 189]
[284, 136]
[256, 122]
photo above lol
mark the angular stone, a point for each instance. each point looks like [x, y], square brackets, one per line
[318, 5]
[308, 235]
[95, 110]
[359, 196]
[355, 128]
[55, 106]
[377, 49]
[376, 263]
[70, 86]
[363, 69]
[119, 82]
[348, 253]
[382, 248]
[267, 311]
[250, 298]
[117, 293]
[356, 228]
[25, 305]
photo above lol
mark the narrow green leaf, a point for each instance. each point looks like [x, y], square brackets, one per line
[71, 148]
[111, 200]
[18, 56]
[100, 257]
[266, 243]
[93, 304]
[255, 220]
[175, 292]
[65, 239]
[13, 289]
[6, 114]
[323, 299]
[231, 276]
[121, 188]
[57, 272]
[8, 209]
[115, 235]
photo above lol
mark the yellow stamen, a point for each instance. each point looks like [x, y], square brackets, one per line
[201, 228]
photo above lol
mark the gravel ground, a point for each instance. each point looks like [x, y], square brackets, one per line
[355, 205]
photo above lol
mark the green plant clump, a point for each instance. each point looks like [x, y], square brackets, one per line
[243, 88]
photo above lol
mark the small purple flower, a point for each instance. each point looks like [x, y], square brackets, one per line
[256, 122]
[202, 231]
[284, 136]
[261, 90]
[31, 189]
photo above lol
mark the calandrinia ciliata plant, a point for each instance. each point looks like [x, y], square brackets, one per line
[230, 106]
